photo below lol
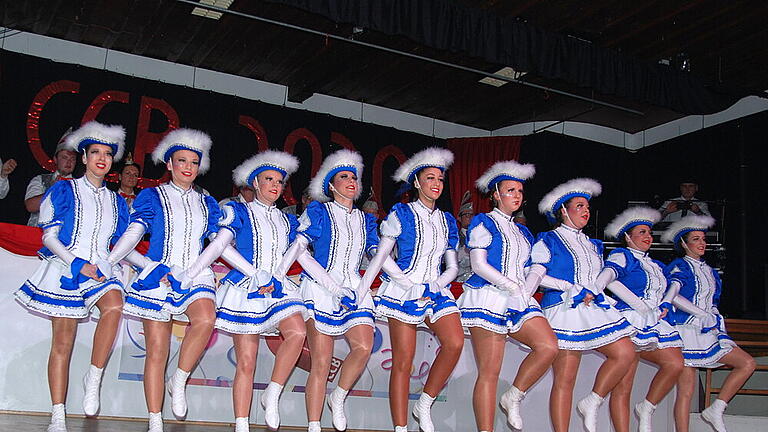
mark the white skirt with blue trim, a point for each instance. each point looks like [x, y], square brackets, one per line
[330, 318]
[404, 304]
[163, 303]
[240, 311]
[586, 327]
[43, 292]
[704, 350]
[493, 310]
[652, 336]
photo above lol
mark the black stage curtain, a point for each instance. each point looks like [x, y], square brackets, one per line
[449, 25]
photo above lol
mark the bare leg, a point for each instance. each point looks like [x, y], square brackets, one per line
[202, 316]
[62, 341]
[246, 351]
[321, 348]
[157, 335]
[743, 365]
[620, 356]
[293, 331]
[489, 354]
[110, 310]
[670, 362]
[451, 336]
[402, 337]
[536, 334]
[620, 396]
[565, 368]
[686, 384]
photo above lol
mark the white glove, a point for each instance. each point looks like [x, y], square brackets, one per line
[182, 276]
[396, 274]
[650, 316]
[478, 259]
[451, 269]
[605, 277]
[105, 268]
[130, 238]
[296, 248]
[318, 273]
[533, 279]
[52, 242]
[386, 244]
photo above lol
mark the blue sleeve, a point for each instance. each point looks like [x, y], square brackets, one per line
[145, 207]
[371, 233]
[293, 227]
[214, 214]
[56, 204]
[679, 271]
[615, 264]
[313, 221]
[718, 288]
[231, 217]
[453, 231]
[123, 216]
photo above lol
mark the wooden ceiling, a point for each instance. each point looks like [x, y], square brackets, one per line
[726, 44]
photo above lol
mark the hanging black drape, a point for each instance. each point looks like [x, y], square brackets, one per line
[449, 25]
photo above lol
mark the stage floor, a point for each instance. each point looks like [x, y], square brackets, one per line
[36, 423]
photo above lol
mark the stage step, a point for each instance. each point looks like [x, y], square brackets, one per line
[734, 423]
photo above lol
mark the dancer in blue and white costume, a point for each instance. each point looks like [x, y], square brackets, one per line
[640, 286]
[255, 298]
[697, 288]
[80, 219]
[571, 266]
[415, 291]
[339, 234]
[497, 297]
[177, 219]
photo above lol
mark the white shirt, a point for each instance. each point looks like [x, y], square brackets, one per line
[3, 183]
[676, 216]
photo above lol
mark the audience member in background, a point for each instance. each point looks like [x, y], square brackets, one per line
[466, 212]
[5, 170]
[245, 195]
[65, 161]
[298, 209]
[686, 204]
[371, 207]
[128, 178]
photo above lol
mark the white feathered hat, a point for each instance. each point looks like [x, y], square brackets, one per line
[678, 229]
[341, 160]
[431, 157]
[184, 139]
[246, 172]
[631, 218]
[578, 187]
[504, 170]
[94, 132]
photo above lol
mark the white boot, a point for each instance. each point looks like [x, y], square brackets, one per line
[713, 415]
[588, 408]
[336, 404]
[422, 410]
[177, 388]
[401, 428]
[644, 411]
[155, 422]
[510, 402]
[58, 419]
[314, 426]
[91, 390]
[241, 424]
[270, 400]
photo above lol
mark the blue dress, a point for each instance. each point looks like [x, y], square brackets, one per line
[701, 285]
[422, 237]
[91, 219]
[644, 276]
[262, 235]
[572, 257]
[177, 221]
[509, 249]
[339, 238]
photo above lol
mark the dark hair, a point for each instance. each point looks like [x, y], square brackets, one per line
[559, 214]
[126, 165]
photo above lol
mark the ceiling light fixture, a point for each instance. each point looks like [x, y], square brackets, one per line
[505, 72]
[206, 13]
